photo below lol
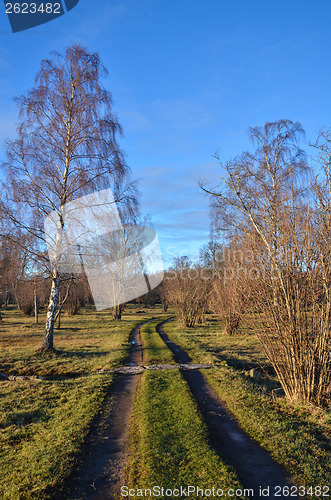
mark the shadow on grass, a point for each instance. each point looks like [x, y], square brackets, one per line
[65, 329]
[238, 364]
[77, 353]
[22, 418]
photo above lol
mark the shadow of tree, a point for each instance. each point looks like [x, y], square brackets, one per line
[22, 418]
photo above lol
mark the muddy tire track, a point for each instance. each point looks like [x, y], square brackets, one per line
[254, 466]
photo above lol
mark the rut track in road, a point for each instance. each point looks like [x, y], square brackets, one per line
[254, 466]
[104, 459]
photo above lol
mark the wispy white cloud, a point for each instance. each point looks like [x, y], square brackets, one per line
[135, 120]
[167, 127]
[178, 209]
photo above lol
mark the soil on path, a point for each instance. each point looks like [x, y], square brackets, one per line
[254, 466]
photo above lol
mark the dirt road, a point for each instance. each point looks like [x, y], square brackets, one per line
[101, 474]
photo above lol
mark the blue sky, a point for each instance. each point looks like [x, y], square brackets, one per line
[187, 78]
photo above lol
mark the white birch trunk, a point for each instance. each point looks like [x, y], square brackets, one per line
[35, 307]
[51, 310]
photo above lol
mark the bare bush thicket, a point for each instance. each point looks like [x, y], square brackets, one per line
[266, 204]
[228, 295]
[227, 298]
[75, 294]
[186, 289]
[294, 325]
[13, 265]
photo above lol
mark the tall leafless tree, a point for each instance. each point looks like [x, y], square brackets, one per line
[66, 147]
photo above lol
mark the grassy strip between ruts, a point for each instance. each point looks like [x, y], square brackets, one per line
[298, 437]
[43, 424]
[155, 350]
[168, 441]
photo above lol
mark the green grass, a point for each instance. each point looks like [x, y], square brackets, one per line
[210, 345]
[43, 424]
[155, 350]
[42, 429]
[168, 441]
[298, 437]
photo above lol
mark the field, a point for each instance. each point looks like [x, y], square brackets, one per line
[46, 415]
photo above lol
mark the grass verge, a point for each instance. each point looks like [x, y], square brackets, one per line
[86, 342]
[42, 430]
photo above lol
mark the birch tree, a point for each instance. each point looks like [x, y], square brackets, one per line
[66, 147]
